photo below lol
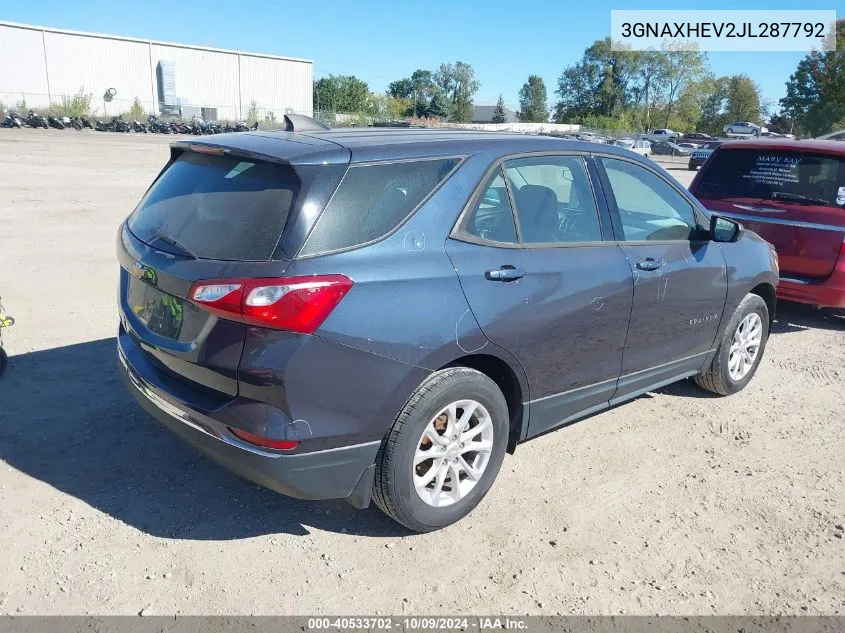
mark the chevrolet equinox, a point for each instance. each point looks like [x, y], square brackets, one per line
[383, 314]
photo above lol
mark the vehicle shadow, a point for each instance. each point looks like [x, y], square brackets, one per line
[69, 422]
[791, 317]
[794, 317]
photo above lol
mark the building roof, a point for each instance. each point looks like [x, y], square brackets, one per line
[33, 27]
[484, 114]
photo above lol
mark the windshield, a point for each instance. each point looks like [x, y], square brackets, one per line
[774, 174]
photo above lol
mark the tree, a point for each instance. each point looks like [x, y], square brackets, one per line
[649, 72]
[815, 92]
[401, 89]
[743, 99]
[599, 85]
[341, 93]
[437, 107]
[782, 124]
[457, 85]
[682, 67]
[423, 89]
[715, 91]
[727, 99]
[533, 101]
[499, 111]
[418, 89]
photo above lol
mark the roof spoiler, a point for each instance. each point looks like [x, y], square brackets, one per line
[302, 123]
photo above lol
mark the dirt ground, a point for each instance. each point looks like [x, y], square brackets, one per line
[676, 503]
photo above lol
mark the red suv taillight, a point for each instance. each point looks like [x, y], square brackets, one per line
[295, 304]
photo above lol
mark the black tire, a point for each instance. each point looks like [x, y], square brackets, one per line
[691, 166]
[393, 488]
[730, 130]
[4, 361]
[716, 377]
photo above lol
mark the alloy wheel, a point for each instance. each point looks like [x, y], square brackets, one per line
[452, 453]
[745, 346]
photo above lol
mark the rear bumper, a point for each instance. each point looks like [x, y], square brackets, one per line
[827, 293]
[337, 473]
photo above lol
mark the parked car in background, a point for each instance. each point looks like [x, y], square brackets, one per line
[668, 149]
[743, 127]
[698, 156]
[663, 134]
[776, 135]
[698, 138]
[385, 313]
[792, 193]
[688, 146]
[637, 146]
[833, 136]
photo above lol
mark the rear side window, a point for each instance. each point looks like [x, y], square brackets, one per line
[217, 207]
[492, 217]
[372, 200]
[774, 174]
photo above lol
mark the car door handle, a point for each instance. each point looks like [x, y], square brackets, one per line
[505, 273]
[649, 263]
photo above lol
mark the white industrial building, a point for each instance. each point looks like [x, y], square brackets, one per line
[41, 65]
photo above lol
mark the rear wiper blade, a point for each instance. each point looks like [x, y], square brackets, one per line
[797, 197]
[169, 239]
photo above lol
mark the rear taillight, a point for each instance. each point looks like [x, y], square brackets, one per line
[295, 304]
[266, 442]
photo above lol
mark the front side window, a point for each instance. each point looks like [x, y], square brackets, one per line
[492, 217]
[554, 200]
[372, 200]
[649, 207]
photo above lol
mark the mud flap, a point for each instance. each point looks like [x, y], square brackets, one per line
[363, 491]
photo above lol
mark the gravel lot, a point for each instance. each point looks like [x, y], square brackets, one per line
[676, 503]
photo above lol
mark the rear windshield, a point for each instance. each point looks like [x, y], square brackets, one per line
[775, 174]
[217, 207]
[372, 200]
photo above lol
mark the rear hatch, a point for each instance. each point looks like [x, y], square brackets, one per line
[793, 198]
[211, 214]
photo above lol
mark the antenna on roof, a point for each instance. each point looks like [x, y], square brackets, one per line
[302, 123]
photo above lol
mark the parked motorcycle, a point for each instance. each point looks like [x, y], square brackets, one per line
[36, 120]
[12, 120]
[55, 122]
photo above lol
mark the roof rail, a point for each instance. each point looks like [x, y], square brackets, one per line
[302, 123]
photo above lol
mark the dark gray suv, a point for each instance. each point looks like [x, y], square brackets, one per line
[385, 313]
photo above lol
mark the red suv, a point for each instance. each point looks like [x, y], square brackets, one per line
[792, 193]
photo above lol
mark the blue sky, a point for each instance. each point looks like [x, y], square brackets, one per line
[504, 40]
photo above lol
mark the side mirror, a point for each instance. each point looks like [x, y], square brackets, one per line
[724, 230]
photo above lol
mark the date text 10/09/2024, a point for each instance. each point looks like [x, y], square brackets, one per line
[418, 623]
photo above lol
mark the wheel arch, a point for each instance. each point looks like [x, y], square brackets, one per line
[513, 384]
[767, 292]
